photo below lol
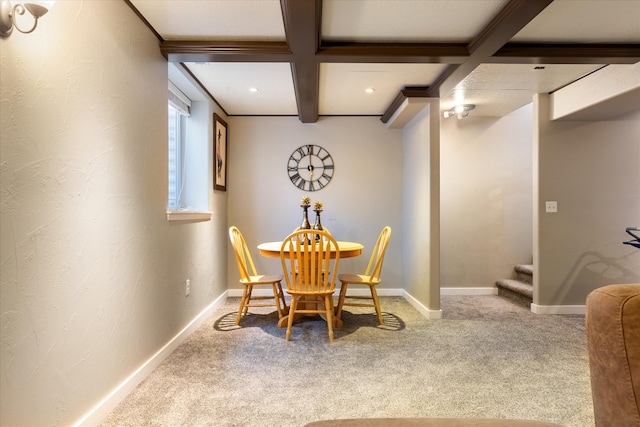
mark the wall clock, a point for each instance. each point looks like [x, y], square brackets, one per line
[310, 167]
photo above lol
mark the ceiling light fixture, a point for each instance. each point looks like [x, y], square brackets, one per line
[369, 90]
[253, 89]
[8, 14]
[460, 111]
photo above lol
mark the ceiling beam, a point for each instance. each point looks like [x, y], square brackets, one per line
[511, 19]
[398, 53]
[220, 51]
[406, 92]
[302, 21]
[304, 50]
[407, 53]
[523, 53]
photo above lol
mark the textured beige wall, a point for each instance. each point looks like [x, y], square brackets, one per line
[92, 275]
[364, 195]
[421, 208]
[591, 169]
[486, 200]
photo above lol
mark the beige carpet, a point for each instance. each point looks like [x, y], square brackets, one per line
[487, 358]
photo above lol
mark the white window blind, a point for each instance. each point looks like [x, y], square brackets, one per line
[179, 109]
[179, 100]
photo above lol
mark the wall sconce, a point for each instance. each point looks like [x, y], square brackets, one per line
[8, 14]
[460, 111]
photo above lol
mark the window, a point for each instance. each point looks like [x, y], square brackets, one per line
[187, 155]
[177, 144]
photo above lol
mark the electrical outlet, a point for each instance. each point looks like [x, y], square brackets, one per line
[551, 207]
[187, 287]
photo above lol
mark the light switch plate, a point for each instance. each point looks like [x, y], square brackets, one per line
[552, 207]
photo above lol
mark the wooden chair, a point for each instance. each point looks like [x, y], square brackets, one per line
[325, 229]
[251, 278]
[371, 278]
[310, 274]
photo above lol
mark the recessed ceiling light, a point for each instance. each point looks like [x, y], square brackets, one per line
[253, 89]
[369, 90]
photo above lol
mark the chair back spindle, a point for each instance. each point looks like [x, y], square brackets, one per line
[308, 268]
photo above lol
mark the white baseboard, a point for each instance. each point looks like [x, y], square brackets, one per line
[386, 292]
[433, 314]
[469, 291]
[558, 309]
[383, 292]
[426, 312]
[238, 292]
[102, 409]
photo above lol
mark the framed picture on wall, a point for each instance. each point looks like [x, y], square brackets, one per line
[219, 153]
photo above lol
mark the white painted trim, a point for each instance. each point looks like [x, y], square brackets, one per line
[256, 292]
[426, 312]
[469, 291]
[558, 309]
[383, 292]
[188, 216]
[108, 404]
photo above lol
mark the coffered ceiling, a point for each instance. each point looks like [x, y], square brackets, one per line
[316, 57]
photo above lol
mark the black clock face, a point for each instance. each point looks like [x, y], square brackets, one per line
[310, 167]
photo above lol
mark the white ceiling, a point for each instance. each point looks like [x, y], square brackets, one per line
[495, 88]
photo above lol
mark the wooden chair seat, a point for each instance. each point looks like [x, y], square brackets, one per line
[358, 279]
[263, 279]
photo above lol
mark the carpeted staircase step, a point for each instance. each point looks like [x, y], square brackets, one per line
[524, 272]
[517, 286]
[519, 289]
[516, 290]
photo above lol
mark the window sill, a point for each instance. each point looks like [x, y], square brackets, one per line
[188, 216]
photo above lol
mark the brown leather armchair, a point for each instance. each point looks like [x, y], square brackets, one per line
[613, 339]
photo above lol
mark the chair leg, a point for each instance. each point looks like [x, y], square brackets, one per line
[248, 300]
[376, 302]
[285, 308]
[292, 312]
[343, 293]
[276, 297]
[243, 301]
[328, 305]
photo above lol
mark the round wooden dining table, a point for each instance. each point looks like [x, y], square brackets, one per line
[346, 250]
